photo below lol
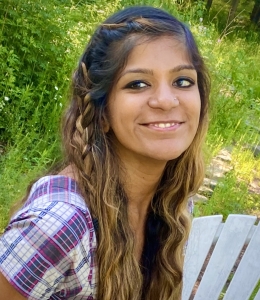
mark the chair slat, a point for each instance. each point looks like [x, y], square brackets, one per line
[230, 243]
[247, 274]
[201, 237]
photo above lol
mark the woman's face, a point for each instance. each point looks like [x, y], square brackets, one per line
[154, 106]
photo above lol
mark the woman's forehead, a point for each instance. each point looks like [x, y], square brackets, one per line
[146, 48]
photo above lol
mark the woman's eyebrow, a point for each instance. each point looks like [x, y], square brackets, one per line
[139, 70]
[150, 71]
[182, 67]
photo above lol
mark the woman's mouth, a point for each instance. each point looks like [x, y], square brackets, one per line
[164, 125]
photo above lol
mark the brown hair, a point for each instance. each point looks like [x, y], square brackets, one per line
[89, 150]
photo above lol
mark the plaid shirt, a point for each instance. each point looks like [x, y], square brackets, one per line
[48, 249]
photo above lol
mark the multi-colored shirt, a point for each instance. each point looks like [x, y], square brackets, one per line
[48, 249]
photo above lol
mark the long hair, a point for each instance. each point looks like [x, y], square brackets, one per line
[90, 151]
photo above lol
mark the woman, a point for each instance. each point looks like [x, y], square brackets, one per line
[114, 222]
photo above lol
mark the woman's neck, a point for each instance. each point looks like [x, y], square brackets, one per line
[140, 183]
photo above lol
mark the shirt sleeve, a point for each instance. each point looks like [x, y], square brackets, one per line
[41, 252]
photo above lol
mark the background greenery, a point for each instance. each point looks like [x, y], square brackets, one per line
[40, 45]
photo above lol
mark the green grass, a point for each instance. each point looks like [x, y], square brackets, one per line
[40, 45]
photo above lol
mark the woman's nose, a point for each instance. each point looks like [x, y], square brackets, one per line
[164, 98]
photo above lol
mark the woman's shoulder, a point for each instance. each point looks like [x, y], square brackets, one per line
[58, 188]
[54, 230]
[55, 204]
[56, 210]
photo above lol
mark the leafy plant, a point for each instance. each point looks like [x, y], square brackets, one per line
[229, 197]
[40, 43]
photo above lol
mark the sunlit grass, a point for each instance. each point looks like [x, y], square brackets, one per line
[32, 142]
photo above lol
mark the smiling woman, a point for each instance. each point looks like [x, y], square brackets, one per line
[112, 223]
[154, 107]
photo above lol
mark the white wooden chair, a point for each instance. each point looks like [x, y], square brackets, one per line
[228, 239]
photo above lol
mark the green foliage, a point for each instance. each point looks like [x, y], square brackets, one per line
[220, 14]
[235, 96]
[32, 52]
[256, 289]
[229, 197]
[237, 89]
[245, 165]
[232, 194]
[40, 42]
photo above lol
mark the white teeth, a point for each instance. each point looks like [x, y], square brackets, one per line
[164, 125]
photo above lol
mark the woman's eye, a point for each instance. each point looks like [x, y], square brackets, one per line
[135, 85]
[184, 82]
